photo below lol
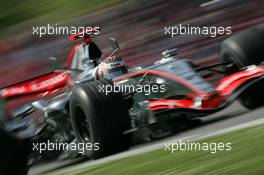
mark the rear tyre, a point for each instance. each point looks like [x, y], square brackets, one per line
[14, 154]
[99, 119]
[243, 49]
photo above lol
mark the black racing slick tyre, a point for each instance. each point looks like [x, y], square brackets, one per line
[99, 119]
[14, 155]
[253, 97]
[243, 49]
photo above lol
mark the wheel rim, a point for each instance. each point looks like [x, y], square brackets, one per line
[82, 124]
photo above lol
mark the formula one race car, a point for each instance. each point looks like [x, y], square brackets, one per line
[162, 97]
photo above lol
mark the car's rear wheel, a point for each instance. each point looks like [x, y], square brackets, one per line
[243, 49]
[99, 119]
[14, 154]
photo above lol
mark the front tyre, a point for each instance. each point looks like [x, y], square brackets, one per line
[253, 97]
[99, 119]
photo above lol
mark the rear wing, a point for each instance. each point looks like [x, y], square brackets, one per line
[43, 83]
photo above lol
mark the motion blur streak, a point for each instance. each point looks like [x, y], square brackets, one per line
[138, 25]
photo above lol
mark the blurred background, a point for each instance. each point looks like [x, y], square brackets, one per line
[138, 25]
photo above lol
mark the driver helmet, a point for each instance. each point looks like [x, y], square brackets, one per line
[116, 67]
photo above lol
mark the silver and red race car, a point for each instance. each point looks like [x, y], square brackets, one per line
[163, 97]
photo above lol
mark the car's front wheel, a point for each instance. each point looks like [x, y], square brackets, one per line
[99, 119]
[253, 97]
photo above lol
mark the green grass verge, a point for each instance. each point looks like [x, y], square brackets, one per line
[245, 158]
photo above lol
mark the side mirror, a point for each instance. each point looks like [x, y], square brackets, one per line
[170, 53]
[115, 46]
[52, 58]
